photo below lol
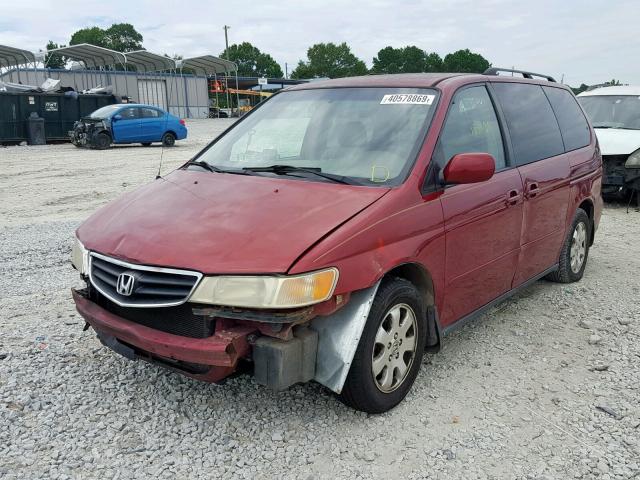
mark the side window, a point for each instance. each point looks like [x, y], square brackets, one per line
[471, 126]
[129, 113]
[531, 122]
[573, 125]
[150, 113]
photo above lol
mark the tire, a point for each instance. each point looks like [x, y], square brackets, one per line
[365, 391]
[168, 139]
[575, 250]
[146, 144]
[103, 141]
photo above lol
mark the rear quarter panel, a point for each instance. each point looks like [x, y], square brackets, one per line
[176, 127]
[585, 166]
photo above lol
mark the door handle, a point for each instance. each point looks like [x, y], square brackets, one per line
[533, 190]
[512, 197]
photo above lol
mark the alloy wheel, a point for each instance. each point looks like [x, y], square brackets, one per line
[578, 247]
[394, 348]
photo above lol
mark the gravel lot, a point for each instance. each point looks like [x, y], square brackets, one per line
[547, 385]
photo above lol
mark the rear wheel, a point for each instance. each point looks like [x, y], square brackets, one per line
[168, 139]
[390, 351]
[575, 250]
[103, 141]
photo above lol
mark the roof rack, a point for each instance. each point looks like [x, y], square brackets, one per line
[525, 74]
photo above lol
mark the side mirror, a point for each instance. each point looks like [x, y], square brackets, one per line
[117, 116]
[469, 168]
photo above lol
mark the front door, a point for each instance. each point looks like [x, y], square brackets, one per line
[483, 220]
[126, 128]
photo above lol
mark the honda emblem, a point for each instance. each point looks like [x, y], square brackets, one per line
[125, 284]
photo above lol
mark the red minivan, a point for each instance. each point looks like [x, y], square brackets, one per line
[345, 227]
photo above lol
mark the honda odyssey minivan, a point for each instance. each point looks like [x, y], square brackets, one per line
[345, 227]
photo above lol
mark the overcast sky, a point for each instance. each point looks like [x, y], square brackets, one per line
[587, 41]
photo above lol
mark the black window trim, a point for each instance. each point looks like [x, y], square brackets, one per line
[557, 87]
[554, 116]
[427, 187]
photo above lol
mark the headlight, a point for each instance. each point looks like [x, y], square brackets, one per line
[634, 160]
[80, 257]
[267, 291]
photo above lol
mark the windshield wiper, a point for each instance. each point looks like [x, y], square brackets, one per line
[287, 169]
[204, 165]
[213, 168]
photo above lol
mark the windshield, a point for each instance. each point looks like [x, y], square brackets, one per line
[370, 135]
[104, 111]
[613, 111]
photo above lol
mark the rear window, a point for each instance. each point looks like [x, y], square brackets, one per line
[573, 124]
[531, 122]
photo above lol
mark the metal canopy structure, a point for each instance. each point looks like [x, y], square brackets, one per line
[149, 62]
[153, 87]
[14, 57]
[208, 65]
[91, 55]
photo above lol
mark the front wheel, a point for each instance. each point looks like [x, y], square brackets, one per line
[389, 354]
[575, 250]
[102, 141]
[168, 139]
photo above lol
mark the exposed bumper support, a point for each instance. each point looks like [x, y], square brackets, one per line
[221, 351]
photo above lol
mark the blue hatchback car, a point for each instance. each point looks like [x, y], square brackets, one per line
[128, 123]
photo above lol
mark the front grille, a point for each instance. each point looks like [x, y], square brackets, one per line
[177, 320]
[614, 164]
[140, 285]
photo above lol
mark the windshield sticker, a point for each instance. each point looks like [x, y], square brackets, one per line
[407, 99]
[375, 175]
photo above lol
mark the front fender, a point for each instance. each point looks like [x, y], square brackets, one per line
[338, 338]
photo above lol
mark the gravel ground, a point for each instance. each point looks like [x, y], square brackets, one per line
[544, 386]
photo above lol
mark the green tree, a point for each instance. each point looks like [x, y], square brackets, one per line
[434, 63]
[582, 88]
[252, 62]
[93, 35]
[409, 59]
[121, 37]
[329, 60]
[465, 61]
[612, 83]
[54, 60]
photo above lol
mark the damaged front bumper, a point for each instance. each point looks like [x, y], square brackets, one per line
[84, 132]
[303, 347]
[617, 176]
[209, 359]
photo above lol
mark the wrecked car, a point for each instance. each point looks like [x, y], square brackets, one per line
[127, 123]
[343, 228]
[615, 114]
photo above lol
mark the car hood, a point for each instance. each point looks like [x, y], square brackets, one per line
[615, 141]
[222, 223]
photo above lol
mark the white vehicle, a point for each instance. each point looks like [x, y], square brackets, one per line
[615, 115]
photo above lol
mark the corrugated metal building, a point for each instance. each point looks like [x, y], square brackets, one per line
[183, 95]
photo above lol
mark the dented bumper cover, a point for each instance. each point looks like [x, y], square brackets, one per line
[220, 352]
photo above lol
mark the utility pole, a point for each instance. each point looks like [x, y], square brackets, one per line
[286, 70]
[226, 39]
